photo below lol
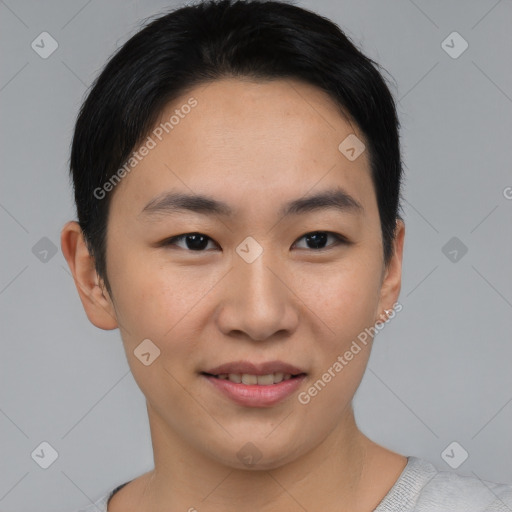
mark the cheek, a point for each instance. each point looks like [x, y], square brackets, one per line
[155, 303]
[343, 296]
[158, 301]
[345, 303]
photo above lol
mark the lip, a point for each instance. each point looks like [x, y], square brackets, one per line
[255, 369]
[256, 395]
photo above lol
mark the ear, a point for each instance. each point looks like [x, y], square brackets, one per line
[392, 279]
[95, 299]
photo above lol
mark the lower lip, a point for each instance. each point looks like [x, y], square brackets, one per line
[254, 395]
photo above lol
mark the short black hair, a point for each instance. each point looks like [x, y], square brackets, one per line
[197, 44]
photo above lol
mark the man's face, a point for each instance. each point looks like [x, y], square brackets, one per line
[258, 286]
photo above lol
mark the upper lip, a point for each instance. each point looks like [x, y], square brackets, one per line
[241, 367]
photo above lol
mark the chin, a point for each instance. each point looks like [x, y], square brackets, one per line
[258, 454]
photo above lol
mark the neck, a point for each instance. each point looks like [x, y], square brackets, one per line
[330, 477]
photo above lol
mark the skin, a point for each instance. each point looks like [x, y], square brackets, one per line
[253, 145]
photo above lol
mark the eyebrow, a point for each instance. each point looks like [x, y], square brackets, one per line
[176, 202]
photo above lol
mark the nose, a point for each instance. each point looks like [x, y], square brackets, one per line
[258, 300]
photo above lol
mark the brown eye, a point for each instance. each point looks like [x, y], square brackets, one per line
[192, 241]
[318, 239]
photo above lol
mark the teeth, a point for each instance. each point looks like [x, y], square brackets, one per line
[265, 380]
[249, 379]
[261, 380]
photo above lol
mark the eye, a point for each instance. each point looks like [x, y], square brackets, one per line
[193, 241]
[198, 242]
[317, 239]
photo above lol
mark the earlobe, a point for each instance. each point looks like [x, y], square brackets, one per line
[95, 299]
[392, 282]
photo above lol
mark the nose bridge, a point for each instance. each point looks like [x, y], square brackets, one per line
[259, 279]
[259, 303]
[253, 257]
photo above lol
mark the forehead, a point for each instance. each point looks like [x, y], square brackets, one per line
[249, 140]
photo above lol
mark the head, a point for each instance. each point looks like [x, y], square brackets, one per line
[256, 107]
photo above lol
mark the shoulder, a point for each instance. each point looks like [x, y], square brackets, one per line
[464, 492]
[423, 488]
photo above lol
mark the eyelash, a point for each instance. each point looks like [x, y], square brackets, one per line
[340, 240]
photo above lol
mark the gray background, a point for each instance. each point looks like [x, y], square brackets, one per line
[439, 372]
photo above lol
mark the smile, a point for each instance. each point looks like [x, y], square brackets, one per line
[260, 380]
[251, 390]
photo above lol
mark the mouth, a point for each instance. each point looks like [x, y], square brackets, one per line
[252, 380]
[255, 385]
[250, 374]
